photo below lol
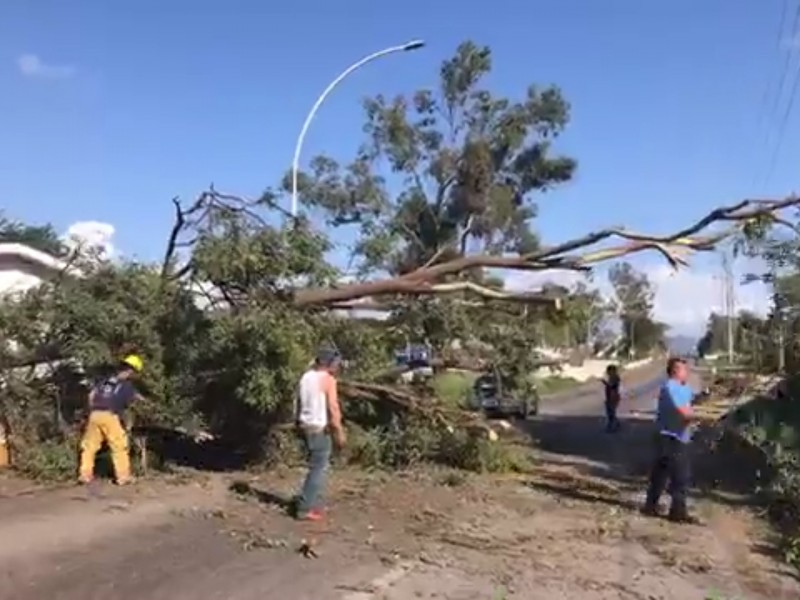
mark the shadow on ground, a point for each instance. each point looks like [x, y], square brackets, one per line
[243, 488]
[166, 446]
[723, 470]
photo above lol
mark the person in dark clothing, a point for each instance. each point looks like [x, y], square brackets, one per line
[612, 384]
[675, 421]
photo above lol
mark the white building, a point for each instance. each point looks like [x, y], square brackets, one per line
[23, 268]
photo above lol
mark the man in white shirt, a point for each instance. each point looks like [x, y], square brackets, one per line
[319, 417]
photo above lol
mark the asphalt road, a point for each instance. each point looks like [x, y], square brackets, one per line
[570, 428]
[69, 546]
[638, 387]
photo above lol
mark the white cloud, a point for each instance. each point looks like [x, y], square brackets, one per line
[532, 281]
[94, 236]
[684, 299]
[30, 65]
[535, 280]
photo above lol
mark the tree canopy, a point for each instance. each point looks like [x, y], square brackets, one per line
[441, 199]
[635, 294]
[463, 169]
[40, 237]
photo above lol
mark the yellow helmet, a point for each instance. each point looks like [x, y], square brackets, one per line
[134, 361]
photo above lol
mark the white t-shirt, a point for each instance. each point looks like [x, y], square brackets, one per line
[314, 390]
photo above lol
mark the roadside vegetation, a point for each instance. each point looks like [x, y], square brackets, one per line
[245, 293]
[769, 345]
[772, 425]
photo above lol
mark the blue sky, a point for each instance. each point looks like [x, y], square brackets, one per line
[129, 105]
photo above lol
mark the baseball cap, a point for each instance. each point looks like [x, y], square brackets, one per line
[326, 356]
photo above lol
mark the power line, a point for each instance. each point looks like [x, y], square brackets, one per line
[784, 122]
[784, 77]
[762, 121]
[762, 113]
[788, 56]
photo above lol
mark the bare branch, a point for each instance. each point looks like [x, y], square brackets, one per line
[673, 247]
[430, 279]
[401, 286]
[486, 295]
[172, 240]
[462, 241]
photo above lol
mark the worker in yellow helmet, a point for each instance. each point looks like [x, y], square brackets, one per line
[108, 401]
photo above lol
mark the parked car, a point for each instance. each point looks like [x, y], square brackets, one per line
[496, 398]
[417, 358]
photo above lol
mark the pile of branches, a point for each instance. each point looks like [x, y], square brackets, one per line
[272, 298]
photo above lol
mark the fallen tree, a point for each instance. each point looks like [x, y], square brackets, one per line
[246, 292]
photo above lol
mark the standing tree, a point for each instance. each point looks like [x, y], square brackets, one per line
[464, 167]
[40, 237]
[780, 333]
[635, 294]
[465, 164]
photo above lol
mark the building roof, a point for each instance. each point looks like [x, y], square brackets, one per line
[26, 253]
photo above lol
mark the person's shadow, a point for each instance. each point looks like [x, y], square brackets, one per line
[243, 488]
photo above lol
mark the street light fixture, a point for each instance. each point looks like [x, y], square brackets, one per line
[407, 47]
[413, 45]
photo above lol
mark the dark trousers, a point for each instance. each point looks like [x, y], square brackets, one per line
[612, 423]
[671, 465]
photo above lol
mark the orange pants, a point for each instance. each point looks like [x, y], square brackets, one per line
[105, 426]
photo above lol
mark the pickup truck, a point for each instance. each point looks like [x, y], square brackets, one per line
[496, 399]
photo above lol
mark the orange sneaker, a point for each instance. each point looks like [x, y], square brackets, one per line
[313, 515]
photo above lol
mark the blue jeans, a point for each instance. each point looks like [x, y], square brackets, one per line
[319, 447]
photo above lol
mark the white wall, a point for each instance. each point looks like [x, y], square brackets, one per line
[16, 278]
[592, 368]
[23, 267]
[18, 275]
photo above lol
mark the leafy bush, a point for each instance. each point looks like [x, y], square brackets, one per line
[50, 460]
[774, 427]
[408, 444]
[233, 372]
[454, 388]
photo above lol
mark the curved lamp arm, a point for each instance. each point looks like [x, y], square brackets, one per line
[413, 45]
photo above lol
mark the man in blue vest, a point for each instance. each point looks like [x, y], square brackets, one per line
[675, 422]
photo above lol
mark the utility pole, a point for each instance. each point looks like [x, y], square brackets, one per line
[729, 301]
[632, 349]
[589, 324]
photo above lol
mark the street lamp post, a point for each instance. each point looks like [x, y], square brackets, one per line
[412, 45]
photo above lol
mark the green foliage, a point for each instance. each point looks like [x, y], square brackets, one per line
[579, 322]
[755, 339]
[41, 237]
[406, 443]
[774, 427]
[50, 460]
[454, 388]
[466, 167]
[641, 334]
[468, 163]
